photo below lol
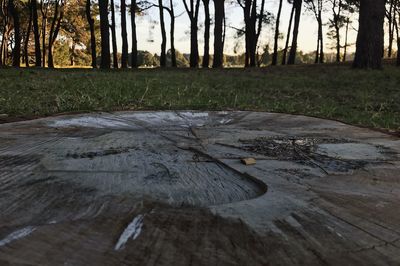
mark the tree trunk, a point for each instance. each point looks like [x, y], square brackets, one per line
[194, 48]
[38, 52]
[114, 36]
[124, 35]
[92, 33]
[396, 26]
[163, 57]
[17, 34]
[252, 30]
[4, 40]
[276, 38]
[207, 23]
[337, 30]
[346, 40]
[223, 33]
[247, 45]
[253, 35]
[4, 45]
[44, 27]
[52, 36]
[288, 36]
[172, 34]
[27, 37]
[398, 52]
[370, 34]
[317, 51]
[293, 50]
[321, 39]
[44, 42]
[252, 50]
[55, 33]
[105, 34]
[247, 31]
[134, 55]
[336, 25]
[219, 9]
[1, 49]
[391, 28]
[193, 13]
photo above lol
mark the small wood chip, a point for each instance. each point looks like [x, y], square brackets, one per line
[248, 161]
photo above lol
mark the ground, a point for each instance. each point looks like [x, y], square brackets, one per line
[169, 188]
[365, 98]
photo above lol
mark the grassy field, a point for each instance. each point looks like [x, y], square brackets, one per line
[368, 98]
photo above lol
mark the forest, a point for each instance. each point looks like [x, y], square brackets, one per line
[71, 33]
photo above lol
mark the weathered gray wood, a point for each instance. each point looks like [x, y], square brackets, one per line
[169, 188]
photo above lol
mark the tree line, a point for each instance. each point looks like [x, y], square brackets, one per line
[32, 30]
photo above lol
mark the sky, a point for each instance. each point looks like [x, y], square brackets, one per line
[149, 35]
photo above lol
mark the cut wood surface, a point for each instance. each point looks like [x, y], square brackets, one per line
[170, 188]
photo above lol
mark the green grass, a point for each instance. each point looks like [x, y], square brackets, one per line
[368, 98]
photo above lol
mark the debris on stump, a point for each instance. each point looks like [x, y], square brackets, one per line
[248, 161]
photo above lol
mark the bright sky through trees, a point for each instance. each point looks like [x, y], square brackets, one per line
[149, 37]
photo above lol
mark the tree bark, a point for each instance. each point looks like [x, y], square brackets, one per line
[336, 10]
[114, 36]
[252, 34]
[92, 33]
[5, 34]
[370, 34]
[134, 55]
[27, 37]
[391, 28]
[337, 30]
[257, 30]
[38, 52]
[105, 34]
[172, 34]
[1, 49]
[219, 9]
[44, 27]
[4, 45]
[54, 29]
[316, 8]
[317, 51]
[193, 13]
[293, 50]
[396, 26]
[163, 56]
[346, 40]
[249, 9]
[207, 23]
[194, 47]
[17, 34]
[276, 38]
[321, 58]
[398, 53]
[124, 35]
[288, 36]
